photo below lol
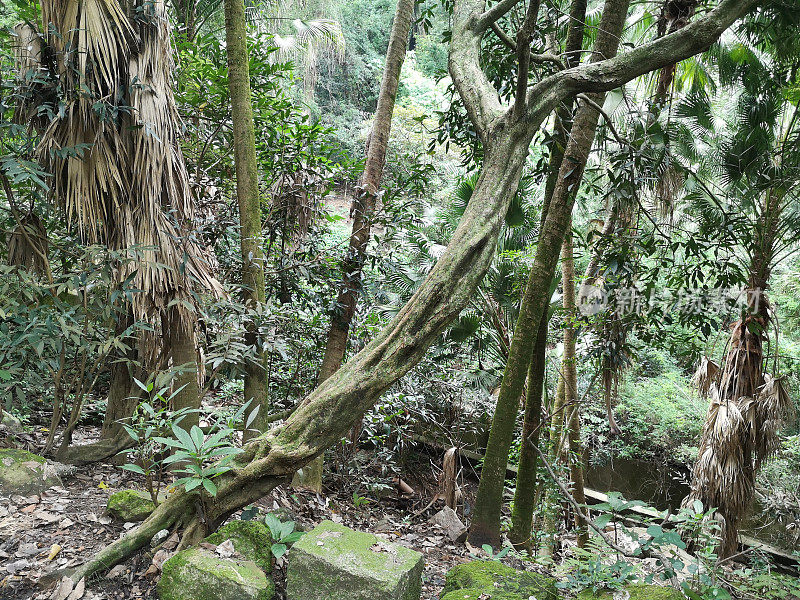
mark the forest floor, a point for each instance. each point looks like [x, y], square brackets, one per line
[64, 526]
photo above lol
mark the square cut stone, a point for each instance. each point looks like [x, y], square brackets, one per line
[332, 562]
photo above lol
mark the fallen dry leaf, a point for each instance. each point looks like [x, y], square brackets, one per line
[54, 550]
[63, 589]
[79, 590]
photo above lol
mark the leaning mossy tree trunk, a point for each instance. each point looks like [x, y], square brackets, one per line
[363, 211]
[325, 415]
[485, 526]
[256, 385]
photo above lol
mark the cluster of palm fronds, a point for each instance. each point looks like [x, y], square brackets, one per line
[740, 432]
[113, 151]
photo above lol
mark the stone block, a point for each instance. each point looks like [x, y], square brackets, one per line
[332, 562]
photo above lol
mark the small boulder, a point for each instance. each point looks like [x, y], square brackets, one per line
[448, 520]
[130, 505]
[198, 574]
[332, 562]
[12, 423]
[636, 591]
[251, 539]
[22, 472]
[481, 579]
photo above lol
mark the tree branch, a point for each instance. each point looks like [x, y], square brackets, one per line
[480, 97]
[544, 58]
[493, 14]
[606, 75]
[524, 37]
[606, 118]
[611, 73]
[504, 37]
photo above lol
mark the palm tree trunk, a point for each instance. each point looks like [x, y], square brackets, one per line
[183, 351]
[363, 211]
[256, 385]
[122, 398]
[485, 526]
[747, 406]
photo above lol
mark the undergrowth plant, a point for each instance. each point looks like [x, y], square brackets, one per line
[283, 534]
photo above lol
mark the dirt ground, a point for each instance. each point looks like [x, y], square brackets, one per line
[64, 526]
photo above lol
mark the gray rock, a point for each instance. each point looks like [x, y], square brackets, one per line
[448, 520]
[13, 424]
[22, 472]
[197, 574]
[332, 562]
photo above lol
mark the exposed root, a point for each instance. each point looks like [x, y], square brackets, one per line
[96, 452]
[170, 512]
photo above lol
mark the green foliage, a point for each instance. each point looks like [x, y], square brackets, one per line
[596, 569]
[659, 416]
[150, 422]
[283, 534]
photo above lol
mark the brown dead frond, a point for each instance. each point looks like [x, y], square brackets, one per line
[705, 376]
[126, 184]
[745, 413]
[28, 245]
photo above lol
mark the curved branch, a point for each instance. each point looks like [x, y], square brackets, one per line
[480, 97]
[606, 75]
[611, 73]
[493, 14]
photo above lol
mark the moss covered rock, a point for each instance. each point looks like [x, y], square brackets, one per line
[197, 574]
[472, 580]
[130, 505]
[251, 539]
[22, 472]
[636, 591]
[332, 562]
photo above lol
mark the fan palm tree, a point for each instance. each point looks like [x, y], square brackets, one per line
[116, 165]
[753, 156]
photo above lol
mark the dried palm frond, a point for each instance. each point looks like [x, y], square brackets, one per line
[705, 376]
[114, 150]
[669, 185]
[28, 244]
[745, 412]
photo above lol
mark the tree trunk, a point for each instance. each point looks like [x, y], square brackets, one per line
[322, 419]
[485, 526]
[256, 386]
[122, 398]
[183, 351]
[525, 491]
[747, 406]
[363, 210]
[570, 373]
